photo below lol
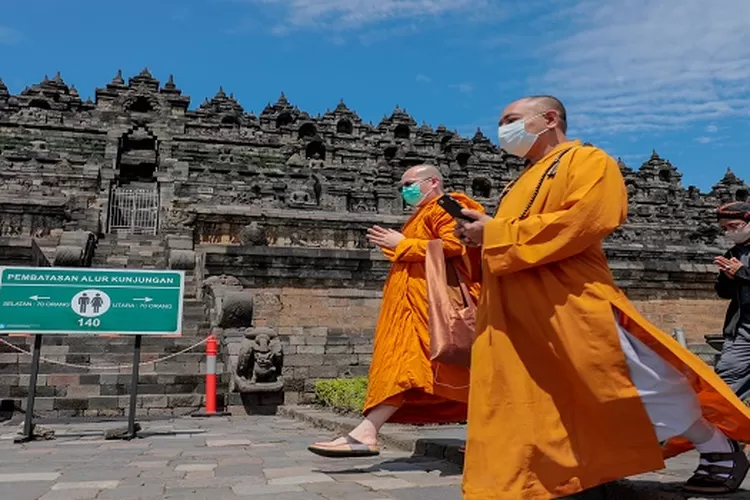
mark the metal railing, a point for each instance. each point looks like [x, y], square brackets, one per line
[134, 211]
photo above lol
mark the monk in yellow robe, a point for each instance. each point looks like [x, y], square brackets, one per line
[404, 385]
[570, 386]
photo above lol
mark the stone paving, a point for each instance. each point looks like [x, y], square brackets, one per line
[260, 458]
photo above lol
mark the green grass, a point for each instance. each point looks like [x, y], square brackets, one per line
[346, 395]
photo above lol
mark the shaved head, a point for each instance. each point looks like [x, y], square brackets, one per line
[532, 105]
[423, 172]
[427, 177]
[543, 116]
[546, 102]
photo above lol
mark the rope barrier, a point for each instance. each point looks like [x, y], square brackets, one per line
[105, 367]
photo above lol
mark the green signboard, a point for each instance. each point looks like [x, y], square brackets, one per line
[55, 300]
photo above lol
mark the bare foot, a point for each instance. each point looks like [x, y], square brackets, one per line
[348, 440]
[335, 442]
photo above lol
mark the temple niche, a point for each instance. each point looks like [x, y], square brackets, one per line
[481, 187]
[138, 158]
[344, 126]
[162, 165]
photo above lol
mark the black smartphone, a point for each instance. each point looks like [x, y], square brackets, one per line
[453, 207]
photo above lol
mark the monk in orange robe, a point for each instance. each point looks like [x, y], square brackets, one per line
[404, 385]
[570, 386]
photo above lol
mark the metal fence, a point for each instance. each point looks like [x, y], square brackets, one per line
[134, 211]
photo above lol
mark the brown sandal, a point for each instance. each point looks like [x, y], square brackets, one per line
[712, 479]
[351, 449]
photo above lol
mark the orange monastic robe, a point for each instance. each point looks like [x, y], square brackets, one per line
[552, 408]
[401, 373]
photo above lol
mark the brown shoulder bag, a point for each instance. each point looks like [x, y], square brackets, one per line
[451, 309]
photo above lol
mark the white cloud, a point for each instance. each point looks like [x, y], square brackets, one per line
[423, 78]
[349, 14]
[712, 129]
[373, 36]
[464, 88]
[704, 139]
[642, 66]
[9, 36]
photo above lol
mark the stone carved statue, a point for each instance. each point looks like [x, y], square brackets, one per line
[300, 197]
[295, 161]
[316, 162]
[308, 194]
[260, 362]
[179, 218]
[253, 235]
[363, 203]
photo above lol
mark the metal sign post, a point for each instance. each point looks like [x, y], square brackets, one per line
[132, 431]
[61, 301]
[28, 421]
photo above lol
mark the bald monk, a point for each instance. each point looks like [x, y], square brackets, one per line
[403, 386]
[570, 386]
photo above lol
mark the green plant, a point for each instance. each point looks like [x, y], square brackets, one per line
[342, 394]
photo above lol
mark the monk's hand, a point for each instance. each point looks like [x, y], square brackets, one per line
[472, 233]
[384, 238]
[728, 266]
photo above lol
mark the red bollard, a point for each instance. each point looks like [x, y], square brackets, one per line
[211, 352]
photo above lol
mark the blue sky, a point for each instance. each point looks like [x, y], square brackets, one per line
[636, 75]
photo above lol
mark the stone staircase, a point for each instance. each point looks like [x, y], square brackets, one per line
[131, 251]
[171, 387]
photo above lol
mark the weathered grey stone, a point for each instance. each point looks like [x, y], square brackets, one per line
[69, 256]
[260, 362]
[253, 235]
[181, 259]
[236, 310]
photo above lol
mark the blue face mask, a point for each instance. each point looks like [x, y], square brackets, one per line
[515, 140]
[412, 194]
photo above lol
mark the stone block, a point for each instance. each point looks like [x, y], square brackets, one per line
[184, 400]
[82, 391]
[8, 358]
[295, 360]
[182, 259]
[74, 404]
[68, 379]
[316, 340]
[44, 404]
[310, 349]
[69, 256]
[159, 412]
[102, 403]
[153, 401]
[179, 243]
[363, 348]
[339, 349]
[236, 310]
[296, 340]
[326, 371]
[341, 359]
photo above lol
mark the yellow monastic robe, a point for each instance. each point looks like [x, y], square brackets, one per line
[401, 373]
[552, 408]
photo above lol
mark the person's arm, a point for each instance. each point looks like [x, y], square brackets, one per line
[726, 287]
[742, 276]
[389, 253]
[415, 249]
[595, 205]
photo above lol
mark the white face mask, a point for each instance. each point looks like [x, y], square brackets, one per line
[515, 140]
[739, 236]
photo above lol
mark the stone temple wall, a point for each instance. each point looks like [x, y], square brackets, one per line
[281, 200]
